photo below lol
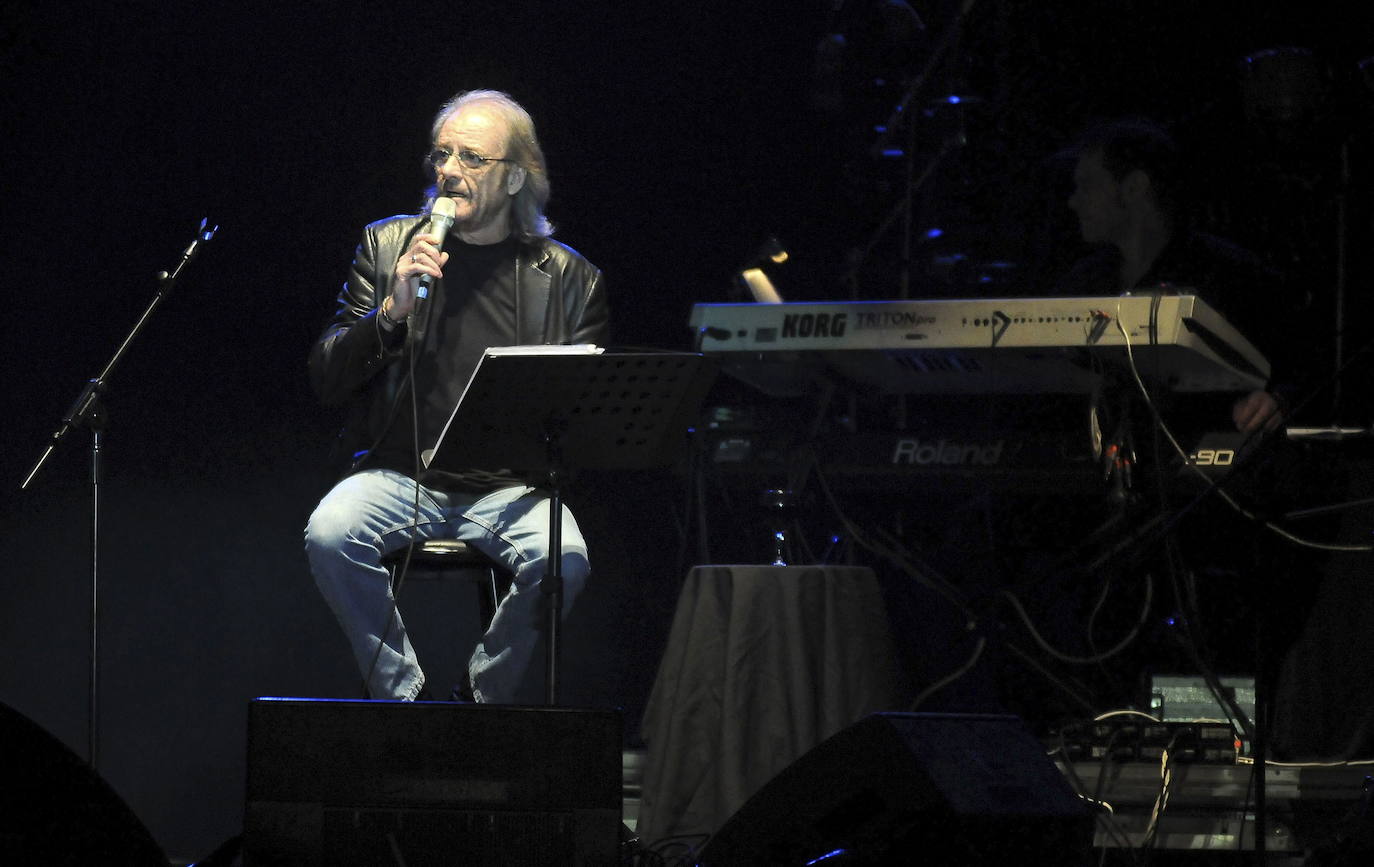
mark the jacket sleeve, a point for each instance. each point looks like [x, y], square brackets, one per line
[591, 320]
[353, 347]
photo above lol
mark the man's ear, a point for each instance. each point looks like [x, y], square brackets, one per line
[515, 179]
[1136, 186]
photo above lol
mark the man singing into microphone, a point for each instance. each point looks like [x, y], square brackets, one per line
[495, 279]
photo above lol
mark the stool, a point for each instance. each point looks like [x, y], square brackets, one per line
[432, 558]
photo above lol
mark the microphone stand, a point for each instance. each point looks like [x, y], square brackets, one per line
[89, 411]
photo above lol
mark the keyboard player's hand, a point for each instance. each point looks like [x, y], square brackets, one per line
[1258, 409]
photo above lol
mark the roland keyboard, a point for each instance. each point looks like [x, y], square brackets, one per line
[977, 346]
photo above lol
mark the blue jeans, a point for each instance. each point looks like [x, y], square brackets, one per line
[372, 512]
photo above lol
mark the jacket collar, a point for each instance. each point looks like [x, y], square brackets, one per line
[533, 284]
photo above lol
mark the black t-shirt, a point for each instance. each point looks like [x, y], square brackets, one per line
[1229, 278]
[1251, 296]
[473, 308]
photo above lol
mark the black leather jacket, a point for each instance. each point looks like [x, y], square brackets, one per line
[560, 298]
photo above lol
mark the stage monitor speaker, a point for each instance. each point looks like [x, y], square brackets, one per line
[427, 783]
[55, 810]
[929, 789]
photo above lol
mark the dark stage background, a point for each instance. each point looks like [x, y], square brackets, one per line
[678, 137]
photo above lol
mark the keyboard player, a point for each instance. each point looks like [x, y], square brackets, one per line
[1128, 196]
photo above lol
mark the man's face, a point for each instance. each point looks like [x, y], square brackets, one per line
[482, 195]
[1098, 201]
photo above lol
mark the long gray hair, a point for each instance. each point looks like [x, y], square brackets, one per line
[527, 209]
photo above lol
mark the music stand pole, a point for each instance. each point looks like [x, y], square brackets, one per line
[552, 584]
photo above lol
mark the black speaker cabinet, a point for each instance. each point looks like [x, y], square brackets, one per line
[429, 783]
[55, 810]
[929, 789]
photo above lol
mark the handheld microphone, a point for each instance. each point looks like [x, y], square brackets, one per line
[441, 218]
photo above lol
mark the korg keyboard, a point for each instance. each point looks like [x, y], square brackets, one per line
[980, 346]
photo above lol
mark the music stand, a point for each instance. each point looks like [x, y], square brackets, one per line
[548, 409]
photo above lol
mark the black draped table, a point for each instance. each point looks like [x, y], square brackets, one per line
[762, 664]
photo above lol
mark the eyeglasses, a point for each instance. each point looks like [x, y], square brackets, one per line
[439, 157]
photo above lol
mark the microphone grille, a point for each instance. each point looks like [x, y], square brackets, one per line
[444, 210]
